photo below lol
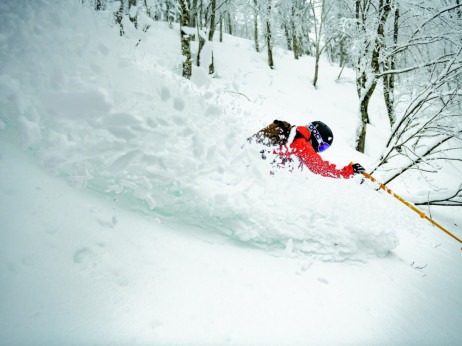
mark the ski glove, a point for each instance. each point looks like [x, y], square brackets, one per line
[358, 169]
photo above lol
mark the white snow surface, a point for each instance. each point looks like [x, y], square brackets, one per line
[134, 211]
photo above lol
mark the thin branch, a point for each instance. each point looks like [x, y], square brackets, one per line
[449, 8]
[415, 162]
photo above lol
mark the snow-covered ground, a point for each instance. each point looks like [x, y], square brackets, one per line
[133, 211]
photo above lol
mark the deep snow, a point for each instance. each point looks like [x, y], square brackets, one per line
[134, 211]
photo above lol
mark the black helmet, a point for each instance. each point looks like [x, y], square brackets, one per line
[322, 136]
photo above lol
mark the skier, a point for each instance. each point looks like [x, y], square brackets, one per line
[305, 142]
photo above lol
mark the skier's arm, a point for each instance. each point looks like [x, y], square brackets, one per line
[316, 164]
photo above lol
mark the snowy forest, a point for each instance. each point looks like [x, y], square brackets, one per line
[410, 49]
[134, 209]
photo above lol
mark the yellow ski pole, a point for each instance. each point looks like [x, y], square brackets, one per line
[422, 214]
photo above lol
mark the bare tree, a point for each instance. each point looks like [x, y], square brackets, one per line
[319, 21]
[368, 63]
[429, 133]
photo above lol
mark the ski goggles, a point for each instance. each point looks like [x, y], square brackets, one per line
[322, 146]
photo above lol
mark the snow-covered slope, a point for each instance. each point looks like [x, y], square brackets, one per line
[152, 220]
[118, 118]
[78, 269]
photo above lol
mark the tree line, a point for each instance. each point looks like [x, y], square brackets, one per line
[408, 51]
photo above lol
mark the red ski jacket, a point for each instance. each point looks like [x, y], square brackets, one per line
[302, 148]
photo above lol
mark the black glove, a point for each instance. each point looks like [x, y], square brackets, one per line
[358, 169]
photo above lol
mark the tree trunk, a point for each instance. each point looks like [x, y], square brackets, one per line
[230, 25]
[379, 42]
[316, 66]
[307, 47]
[134, 19]
[148, 11]
[364, 105]
[342, 62]
[199, 15]
[318, 34]
[193, 14]
[167, 13]
[221, 28]
[294, 34]
[118, 18]
[255, 25]
[201, 45]
[295, 43]
[366, 81]
[212, 20]
[268, 36]
[185, 40]
[212, 66]
[342, 56]
[288, 39]
[212, 32]
[389, 80]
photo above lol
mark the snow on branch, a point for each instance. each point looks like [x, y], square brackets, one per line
[444, 10]
[446, 198]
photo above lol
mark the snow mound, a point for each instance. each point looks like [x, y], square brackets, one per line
[124, 122]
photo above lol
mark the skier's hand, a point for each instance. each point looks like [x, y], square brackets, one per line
[358, 169]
